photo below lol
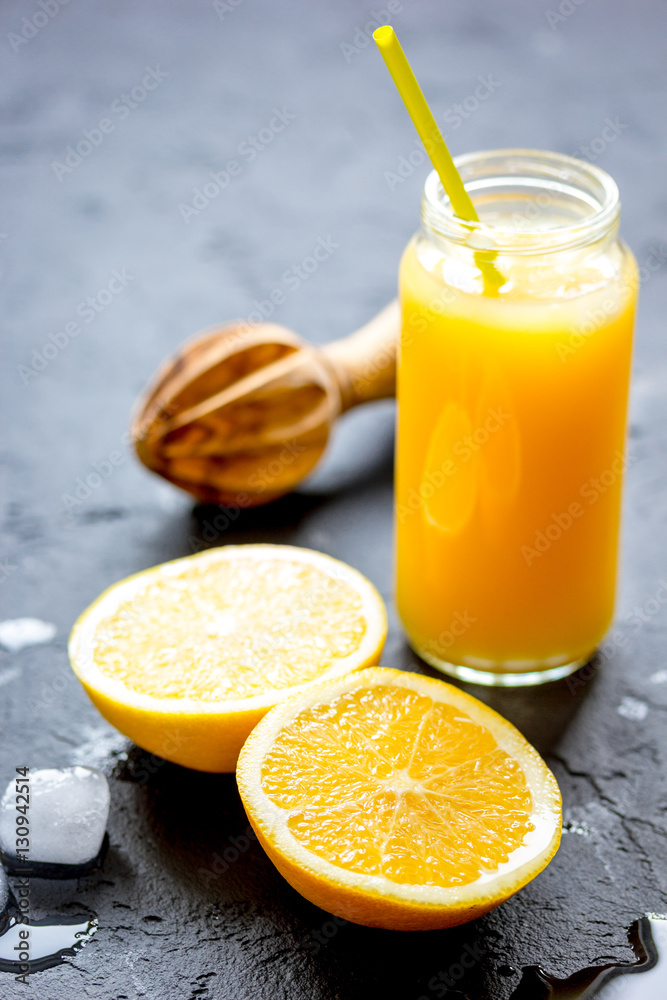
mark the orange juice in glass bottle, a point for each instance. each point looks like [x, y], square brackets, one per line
[512, 418]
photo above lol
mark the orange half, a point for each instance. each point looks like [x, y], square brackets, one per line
[186, 657]
[394, 800]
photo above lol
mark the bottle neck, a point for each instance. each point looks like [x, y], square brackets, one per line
[530, 203]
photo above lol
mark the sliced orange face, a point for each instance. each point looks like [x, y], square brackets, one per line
[186, 657]
[399, 801]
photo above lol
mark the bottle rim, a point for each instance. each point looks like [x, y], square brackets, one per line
[525, 171]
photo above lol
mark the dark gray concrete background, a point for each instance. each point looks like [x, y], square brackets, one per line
[167, 931]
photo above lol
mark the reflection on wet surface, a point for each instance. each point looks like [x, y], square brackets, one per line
[47, 944]
[645, 979]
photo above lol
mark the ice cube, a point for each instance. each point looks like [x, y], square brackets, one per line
[16, 633]
[66, 817]
[4, 890]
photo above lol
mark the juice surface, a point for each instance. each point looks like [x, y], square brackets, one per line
[510, 458]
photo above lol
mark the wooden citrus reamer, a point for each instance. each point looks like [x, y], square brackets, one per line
[242, 412]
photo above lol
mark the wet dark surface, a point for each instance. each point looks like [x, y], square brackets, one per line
[26, 948]
[188, 905]
[537, 985]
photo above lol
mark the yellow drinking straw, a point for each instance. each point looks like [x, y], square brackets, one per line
[424, 122]
[436, 147]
